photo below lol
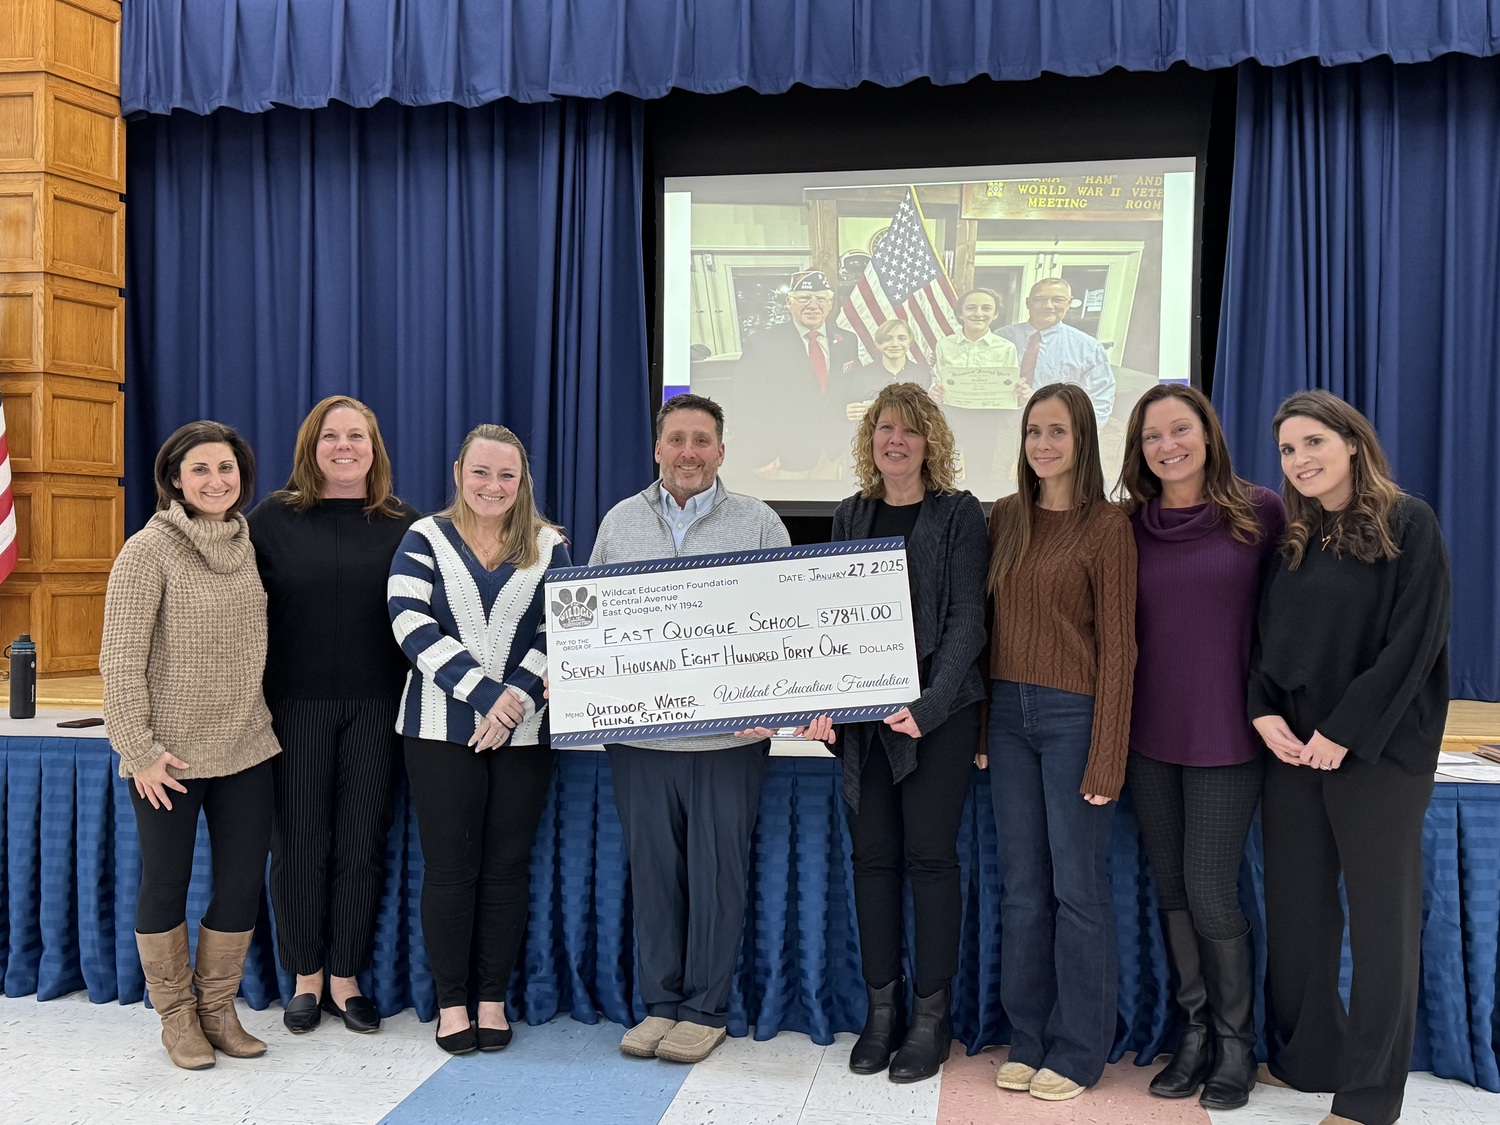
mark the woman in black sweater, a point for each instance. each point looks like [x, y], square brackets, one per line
[333, 682]
[905, 778]
[1349, 690]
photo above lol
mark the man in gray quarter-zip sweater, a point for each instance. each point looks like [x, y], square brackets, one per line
[687, 805]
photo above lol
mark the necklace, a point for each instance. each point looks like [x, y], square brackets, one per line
[1326, 532]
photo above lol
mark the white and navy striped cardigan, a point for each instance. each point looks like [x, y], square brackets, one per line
[468, 632]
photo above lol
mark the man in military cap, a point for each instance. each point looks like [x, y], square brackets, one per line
[793, 384]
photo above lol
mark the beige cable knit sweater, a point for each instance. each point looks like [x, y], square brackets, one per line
[185, 647]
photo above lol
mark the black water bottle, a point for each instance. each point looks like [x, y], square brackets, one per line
[22, 655]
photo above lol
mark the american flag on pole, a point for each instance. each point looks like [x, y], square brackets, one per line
[7, 508]
[905, 279]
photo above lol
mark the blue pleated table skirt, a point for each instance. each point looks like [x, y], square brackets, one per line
[70, 868]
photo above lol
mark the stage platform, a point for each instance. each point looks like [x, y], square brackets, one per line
[1470, 722]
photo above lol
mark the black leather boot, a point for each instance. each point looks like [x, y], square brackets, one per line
[928, 1042]
[884, 1026]
[885, 1023]
[1229, 970]
[1190, 1062]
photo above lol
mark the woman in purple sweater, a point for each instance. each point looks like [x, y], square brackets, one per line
[1204, 538]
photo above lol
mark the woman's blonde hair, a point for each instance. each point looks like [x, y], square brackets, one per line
[519, 526]
[304, 487]
[1363, 527]
[1013, 526]
[917, 412]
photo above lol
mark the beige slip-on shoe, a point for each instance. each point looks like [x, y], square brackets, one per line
[643, 1039]
[1335, 1119]
[1014, 1076]
[1053, 1087]
[689, 1042]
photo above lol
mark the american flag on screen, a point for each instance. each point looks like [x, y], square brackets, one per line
[905, 279]
[7, 508]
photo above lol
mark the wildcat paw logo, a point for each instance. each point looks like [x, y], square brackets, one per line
[575, 609]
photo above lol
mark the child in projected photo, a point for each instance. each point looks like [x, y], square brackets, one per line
[895, 362]
[978, 382]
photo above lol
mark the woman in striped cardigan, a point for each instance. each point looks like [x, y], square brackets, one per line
[465, 599]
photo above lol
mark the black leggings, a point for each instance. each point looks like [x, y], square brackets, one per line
[912, 829]
[1195, 819]
[477, 815]
[238, 809]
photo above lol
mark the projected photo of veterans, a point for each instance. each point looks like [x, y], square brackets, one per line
[793, 387]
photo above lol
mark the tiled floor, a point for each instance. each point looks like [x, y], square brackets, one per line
[69, 1061]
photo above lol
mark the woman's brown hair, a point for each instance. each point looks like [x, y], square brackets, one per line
[520, 526]
[917, 412]
[183, 441]
[1017, 513]
[1363, 526]
[1228, 494]
[304, 487]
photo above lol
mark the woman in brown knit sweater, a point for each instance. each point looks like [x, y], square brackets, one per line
[184, 648]
[1062, 661]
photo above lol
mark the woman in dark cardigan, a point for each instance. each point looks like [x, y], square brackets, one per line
[1349, 689]
[905, 778]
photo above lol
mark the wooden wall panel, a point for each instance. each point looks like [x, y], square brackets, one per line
[48, 124]
[22, 399]
[71, 524]
[78, 39]
[56, 324]
[58, 424]
[84, 230]
[73, 612]
[21, 302]
[55, 225]
[23, 122]
[24, 494]
[21, 222]
[20, 607]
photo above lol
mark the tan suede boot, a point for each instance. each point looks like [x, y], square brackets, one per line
[169, 980]
[221, 963]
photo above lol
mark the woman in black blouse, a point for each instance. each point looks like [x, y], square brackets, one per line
[906, 777]
[1349, 690]
[333, 682]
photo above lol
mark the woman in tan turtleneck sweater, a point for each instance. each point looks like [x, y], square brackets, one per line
[183, 654]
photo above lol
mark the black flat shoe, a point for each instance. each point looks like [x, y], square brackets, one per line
[359, 1014]
[464, 1042]
[494, 1038]
[302, 1014]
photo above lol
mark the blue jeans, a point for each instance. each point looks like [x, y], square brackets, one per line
[1057, 943]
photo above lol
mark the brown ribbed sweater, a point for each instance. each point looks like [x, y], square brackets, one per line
[185, 647]
[1065, 619]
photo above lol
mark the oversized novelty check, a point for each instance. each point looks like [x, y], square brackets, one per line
[713, 643]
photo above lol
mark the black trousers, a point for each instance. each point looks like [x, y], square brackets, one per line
[911, 829]
[688, 819]
[1195, 820]
[336, 780]
[238, 811]
[477, 816]
[1364, 819]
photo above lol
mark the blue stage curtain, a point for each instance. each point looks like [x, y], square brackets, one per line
[448, 266]
[251, 54]
[1362, 260]
[70, 869]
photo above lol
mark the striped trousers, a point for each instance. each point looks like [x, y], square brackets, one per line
[336, 780]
